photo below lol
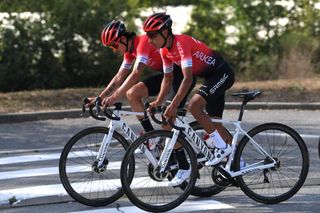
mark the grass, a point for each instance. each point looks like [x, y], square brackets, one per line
[292, 90]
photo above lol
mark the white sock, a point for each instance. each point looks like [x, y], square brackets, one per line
[217, 140]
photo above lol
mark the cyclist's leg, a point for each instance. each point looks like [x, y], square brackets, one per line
[148, 87]
[178, 77]
[184, 167]
[211, 96]
[135, 95]
[196, 107]
[215, 110]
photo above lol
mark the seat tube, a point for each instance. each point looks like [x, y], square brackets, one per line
[233, 145]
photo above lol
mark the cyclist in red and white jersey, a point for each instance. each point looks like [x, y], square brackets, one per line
[137, 53]
[195, 58]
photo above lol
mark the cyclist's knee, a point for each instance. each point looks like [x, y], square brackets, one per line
[195, 105]
[191, 106]
[136, 93]
[132, 94]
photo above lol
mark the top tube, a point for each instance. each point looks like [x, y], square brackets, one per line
[125, 112]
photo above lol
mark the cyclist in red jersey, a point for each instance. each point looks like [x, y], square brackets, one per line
[195, 58]
[137, 53]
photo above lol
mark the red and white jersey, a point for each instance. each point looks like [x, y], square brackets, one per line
[143, 52]
[186, 51]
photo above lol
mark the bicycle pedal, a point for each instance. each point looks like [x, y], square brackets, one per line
[234, 182]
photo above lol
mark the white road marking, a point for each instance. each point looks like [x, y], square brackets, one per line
[309, 136]
[57, 189]
[187, 206]
[51, 171]
[42, 157]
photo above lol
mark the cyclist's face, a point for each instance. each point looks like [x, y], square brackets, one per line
[118, 46]
[155, 39]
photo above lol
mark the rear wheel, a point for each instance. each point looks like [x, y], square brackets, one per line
[282, 181]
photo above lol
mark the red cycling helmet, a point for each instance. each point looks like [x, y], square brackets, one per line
[112, 32]
[157, 22]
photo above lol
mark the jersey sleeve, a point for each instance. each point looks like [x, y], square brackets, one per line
[143, 52]
[184, 50]
[167, 64]
[128, 61]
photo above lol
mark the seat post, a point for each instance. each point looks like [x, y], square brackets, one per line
[244, 103]
[247, 96]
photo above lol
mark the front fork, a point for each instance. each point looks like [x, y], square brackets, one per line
[165, 156]
[104, 147]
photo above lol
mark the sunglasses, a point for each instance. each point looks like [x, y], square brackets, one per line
[115, 45]
[152, 35]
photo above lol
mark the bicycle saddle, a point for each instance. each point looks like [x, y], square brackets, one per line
[250, 95]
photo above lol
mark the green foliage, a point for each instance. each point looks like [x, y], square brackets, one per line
[61, 48]
[253, 56]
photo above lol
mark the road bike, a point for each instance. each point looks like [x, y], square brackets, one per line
[89, 164]
[269, 163]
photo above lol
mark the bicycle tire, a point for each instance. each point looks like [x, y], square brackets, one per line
[77, 162]
[319, 147]
[148, 189]
[285, 179]
[204, 186]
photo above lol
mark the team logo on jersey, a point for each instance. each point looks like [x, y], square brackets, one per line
[195, 40]
[179, 47]
[205, 58]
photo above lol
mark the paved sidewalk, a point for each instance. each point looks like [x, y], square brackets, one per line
[76, 113]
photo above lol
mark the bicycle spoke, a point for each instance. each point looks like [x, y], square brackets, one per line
[148, 188]
[282, 181]
[79, 171]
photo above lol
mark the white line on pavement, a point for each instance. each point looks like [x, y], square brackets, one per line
[42, 157]
[57, 189]
[309, 136]
[51, 171]
[187, 206]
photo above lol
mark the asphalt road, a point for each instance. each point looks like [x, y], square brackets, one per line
[29, 155]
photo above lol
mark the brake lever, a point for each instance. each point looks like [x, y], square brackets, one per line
[98, 104]
[85, 101]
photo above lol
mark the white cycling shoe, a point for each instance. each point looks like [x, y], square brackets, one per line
[180, 177]
[151, 145]
[219, 155]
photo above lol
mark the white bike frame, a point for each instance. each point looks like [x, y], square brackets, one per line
[113, 125]
[200, 146]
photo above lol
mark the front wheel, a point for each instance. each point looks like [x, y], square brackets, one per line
[79, 172]
[147, 187]
[278, 183]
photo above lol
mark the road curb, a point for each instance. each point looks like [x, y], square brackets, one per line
[76, 113]
[275, 105]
